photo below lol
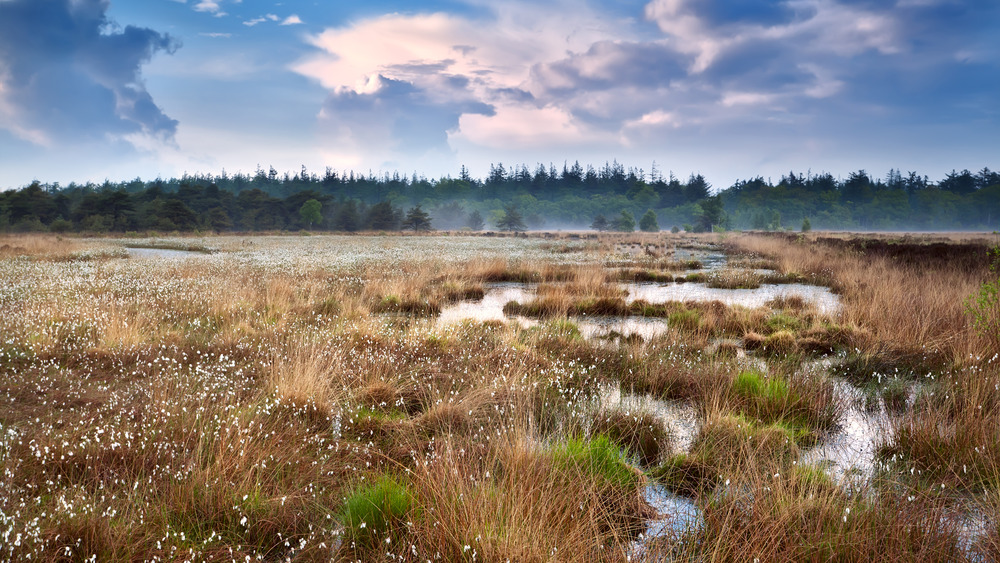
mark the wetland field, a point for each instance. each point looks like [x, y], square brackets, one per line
[551, 397]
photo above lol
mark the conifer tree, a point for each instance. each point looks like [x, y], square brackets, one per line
[417, 219]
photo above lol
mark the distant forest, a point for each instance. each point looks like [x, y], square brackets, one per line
[517, 198]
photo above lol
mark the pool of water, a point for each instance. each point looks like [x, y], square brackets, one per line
[675, 516]
[848, 454]
[680, 419]
[162, 253]
[824, 300]
[490, 307]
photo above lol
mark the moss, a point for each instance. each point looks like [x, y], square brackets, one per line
[783, 322]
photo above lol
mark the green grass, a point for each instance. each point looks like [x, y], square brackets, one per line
[688, 319]
[773, 401]
[598, 458]
[376, 510]
[736, 443]
[781, 321]
[754, 385]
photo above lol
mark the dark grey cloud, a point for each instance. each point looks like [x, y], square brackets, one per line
[783, 59]
[398, 112]
[721, 12]
[67, 70]
[611, 64]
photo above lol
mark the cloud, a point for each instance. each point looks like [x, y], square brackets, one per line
[67, 72]
[521, 126]
[469, 77]
[394, 114]
[292, 20]
[261, 19]
[564, 75]
[207, 6]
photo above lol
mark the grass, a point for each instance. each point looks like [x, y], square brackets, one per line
[798, 518]
[374, 512]
[639, 433]
[256, 402]
[687, 475]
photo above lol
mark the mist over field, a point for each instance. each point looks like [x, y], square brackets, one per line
[610, 198]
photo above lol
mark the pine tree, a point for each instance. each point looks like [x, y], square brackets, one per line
[600, 223]
[382, 217]
[625, 222]
[512, 220]
[475, 221]
[417, 219]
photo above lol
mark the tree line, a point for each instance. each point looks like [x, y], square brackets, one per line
[516, 198]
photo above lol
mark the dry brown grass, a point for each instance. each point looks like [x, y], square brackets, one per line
[37, 245]
[914, 310]
[183, 398]
[478, 504]
[797, 516]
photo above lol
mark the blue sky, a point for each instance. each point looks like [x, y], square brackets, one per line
[92, 89]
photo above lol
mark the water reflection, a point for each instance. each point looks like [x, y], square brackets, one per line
[162, 253]
[825, 301]
[848, 455]
[490, 307]
[681, 419]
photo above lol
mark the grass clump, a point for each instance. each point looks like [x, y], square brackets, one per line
[781, 321]
[796, 517]
[733, 444]
[951, 434]
[376, 511]
[421, 307]
[564, 328]
[686, 319]
[734, 279]
[686, 475]
[639, 433]
[804, 409]
[599, 459]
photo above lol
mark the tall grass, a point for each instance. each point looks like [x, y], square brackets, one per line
[918, 311]
[256, 404]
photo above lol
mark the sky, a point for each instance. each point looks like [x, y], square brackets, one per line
[97, 89]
